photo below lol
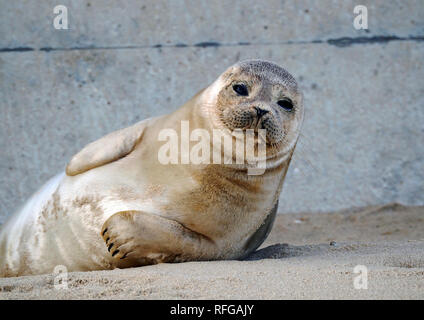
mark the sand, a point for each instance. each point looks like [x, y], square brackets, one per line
[307, 256]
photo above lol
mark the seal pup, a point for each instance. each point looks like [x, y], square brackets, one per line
[117, 206]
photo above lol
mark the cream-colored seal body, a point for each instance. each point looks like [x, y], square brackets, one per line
[118, 206]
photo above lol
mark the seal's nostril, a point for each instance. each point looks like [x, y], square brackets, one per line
[260, 112]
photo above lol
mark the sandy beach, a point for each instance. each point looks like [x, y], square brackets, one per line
[307, 256]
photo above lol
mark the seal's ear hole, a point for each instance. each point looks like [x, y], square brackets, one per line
[286, 104]
[241, 89]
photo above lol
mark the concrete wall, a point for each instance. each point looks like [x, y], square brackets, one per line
[122, 61]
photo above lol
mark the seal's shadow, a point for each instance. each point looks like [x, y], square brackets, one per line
[284, 250]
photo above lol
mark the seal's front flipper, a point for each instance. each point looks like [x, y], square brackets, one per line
[111, 147]
[136, 238]
[261, 234]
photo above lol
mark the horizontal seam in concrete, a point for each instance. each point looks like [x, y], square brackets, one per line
[338, 42]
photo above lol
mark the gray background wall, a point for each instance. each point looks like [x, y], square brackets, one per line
[122, 61]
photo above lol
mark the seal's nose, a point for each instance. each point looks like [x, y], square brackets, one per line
[260, 112]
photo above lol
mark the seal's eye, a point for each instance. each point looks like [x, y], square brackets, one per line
[286, 104]
[241, 89]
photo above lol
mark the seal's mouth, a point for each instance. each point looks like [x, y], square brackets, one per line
[260, 123]
[264, 127]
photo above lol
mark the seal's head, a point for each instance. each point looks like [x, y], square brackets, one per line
[257, 94]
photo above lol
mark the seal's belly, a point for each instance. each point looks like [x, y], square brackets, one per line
[55, 227]
[20, 235]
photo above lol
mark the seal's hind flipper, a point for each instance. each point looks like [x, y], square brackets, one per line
[111, 147]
